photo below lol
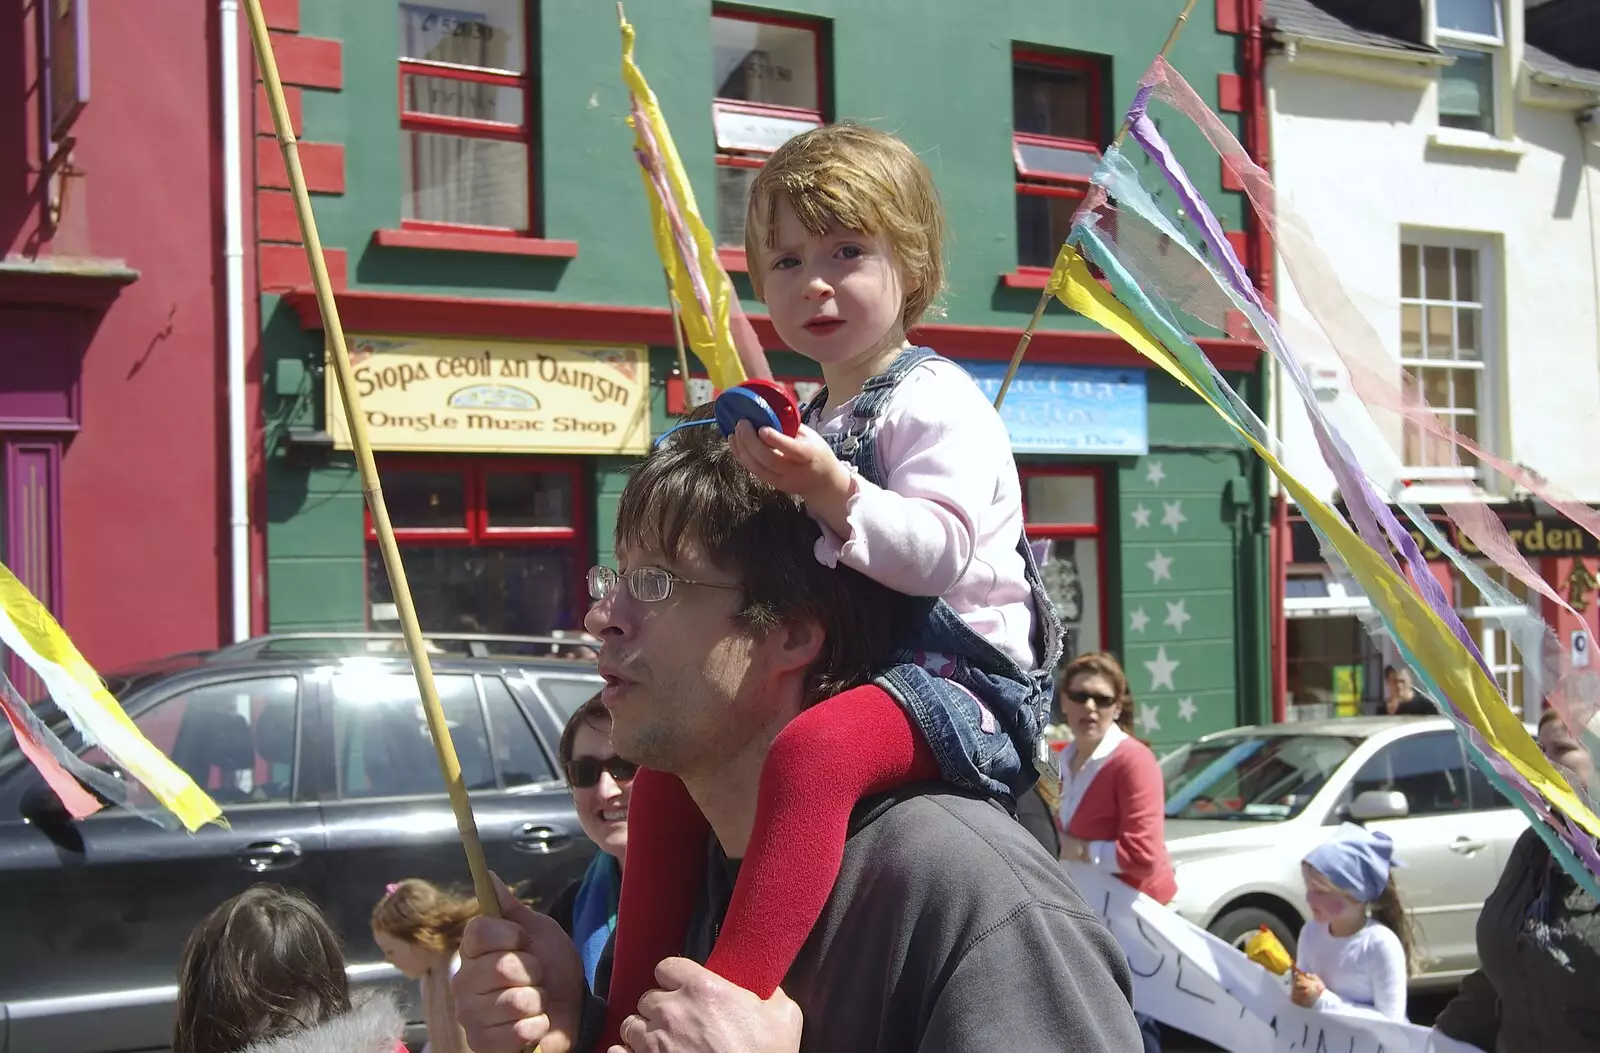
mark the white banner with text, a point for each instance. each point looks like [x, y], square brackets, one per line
[1188, 979]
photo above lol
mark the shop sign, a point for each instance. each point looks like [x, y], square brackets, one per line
[496, 396]
[1070, 409]
[1049, 409]
[1534, 538]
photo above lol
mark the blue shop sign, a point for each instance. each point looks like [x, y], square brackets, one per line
[1070, 409]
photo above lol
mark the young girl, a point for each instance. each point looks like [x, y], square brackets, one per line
[907, 469]
[263, 971]
[1356, 950]
[418, 927]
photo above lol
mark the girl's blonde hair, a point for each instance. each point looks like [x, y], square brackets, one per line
[420, 912]
[856, 178]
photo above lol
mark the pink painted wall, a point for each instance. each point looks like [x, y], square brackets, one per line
[143, 508]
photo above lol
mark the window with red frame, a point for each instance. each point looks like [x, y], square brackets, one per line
[465, 117]
[489, 545]
[1064, 512]
[767, 80]
[1055, 144]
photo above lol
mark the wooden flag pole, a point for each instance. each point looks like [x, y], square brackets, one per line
[488, 902]
[1044, 297]
[677, 336]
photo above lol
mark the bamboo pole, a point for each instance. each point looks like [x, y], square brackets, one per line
[488, 902]
[677, 336]
[1044, 297]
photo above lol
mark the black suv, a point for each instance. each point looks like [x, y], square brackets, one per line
[317, 750]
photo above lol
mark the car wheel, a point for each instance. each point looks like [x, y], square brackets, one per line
[1234, 927]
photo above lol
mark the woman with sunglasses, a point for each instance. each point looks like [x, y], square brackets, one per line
[1113, 799]
[600, 783]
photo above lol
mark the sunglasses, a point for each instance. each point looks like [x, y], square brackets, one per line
[1083, 698]
[584, 772]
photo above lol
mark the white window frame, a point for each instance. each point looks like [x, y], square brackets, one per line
[747, 133]
[1493, 46]
[1495, 643]
[1489, 371]
[1496, 40]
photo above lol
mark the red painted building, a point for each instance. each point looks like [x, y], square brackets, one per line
[113, 324]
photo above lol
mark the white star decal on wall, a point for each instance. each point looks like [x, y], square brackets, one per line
[1141, 516]
[1155, 474]
[1172, 515]
[1137, 620]
[1160, 567]
[1148, 718]
[1161, 670]
[1186, 709]
[1177, 617]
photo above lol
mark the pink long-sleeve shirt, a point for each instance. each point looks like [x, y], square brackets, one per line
[948, 520]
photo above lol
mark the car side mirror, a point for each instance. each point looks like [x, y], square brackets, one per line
[41, 807]
[1379, 804]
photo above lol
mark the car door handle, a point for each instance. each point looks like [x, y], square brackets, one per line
[538, 840]
[1465, 845]
[277, 854]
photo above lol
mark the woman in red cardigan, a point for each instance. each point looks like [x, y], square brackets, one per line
[1113, 799]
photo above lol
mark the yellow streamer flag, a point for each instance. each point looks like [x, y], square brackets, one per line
[1414, 623]
[686, 247]
[29, 631]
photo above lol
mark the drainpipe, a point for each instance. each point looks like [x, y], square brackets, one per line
[234, 307]
[1273, 669]
[1588, 119]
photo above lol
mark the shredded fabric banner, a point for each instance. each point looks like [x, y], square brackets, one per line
[45, 751]
[1188, 979]
[1164, 285]
[30, 633]
[717, 330]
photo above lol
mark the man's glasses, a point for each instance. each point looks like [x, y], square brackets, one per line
[645, 584]
[584, 772]
[1083, 698]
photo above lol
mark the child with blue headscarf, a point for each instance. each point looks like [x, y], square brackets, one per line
[1356, 949]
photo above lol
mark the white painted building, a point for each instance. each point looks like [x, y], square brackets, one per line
[1443, 154]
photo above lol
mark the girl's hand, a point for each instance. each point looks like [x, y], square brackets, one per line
[1074, 850]
[803, 466]
[1308, 987]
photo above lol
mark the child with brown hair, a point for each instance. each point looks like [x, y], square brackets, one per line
[418, 926]
[1356, 949]
[263, 973]
[907, 470]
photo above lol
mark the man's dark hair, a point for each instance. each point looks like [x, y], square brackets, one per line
[262, 965]
[691, 490]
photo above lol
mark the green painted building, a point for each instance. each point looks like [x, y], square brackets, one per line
[476, 189]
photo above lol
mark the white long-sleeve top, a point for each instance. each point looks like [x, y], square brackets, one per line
[1367, 970]
[947, 521]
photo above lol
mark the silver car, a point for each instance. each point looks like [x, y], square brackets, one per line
[1244, 806]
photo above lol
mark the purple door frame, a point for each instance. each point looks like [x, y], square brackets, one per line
[46, 324]
[32, 479]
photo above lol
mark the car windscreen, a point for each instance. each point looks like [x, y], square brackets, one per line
[1256, 778]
